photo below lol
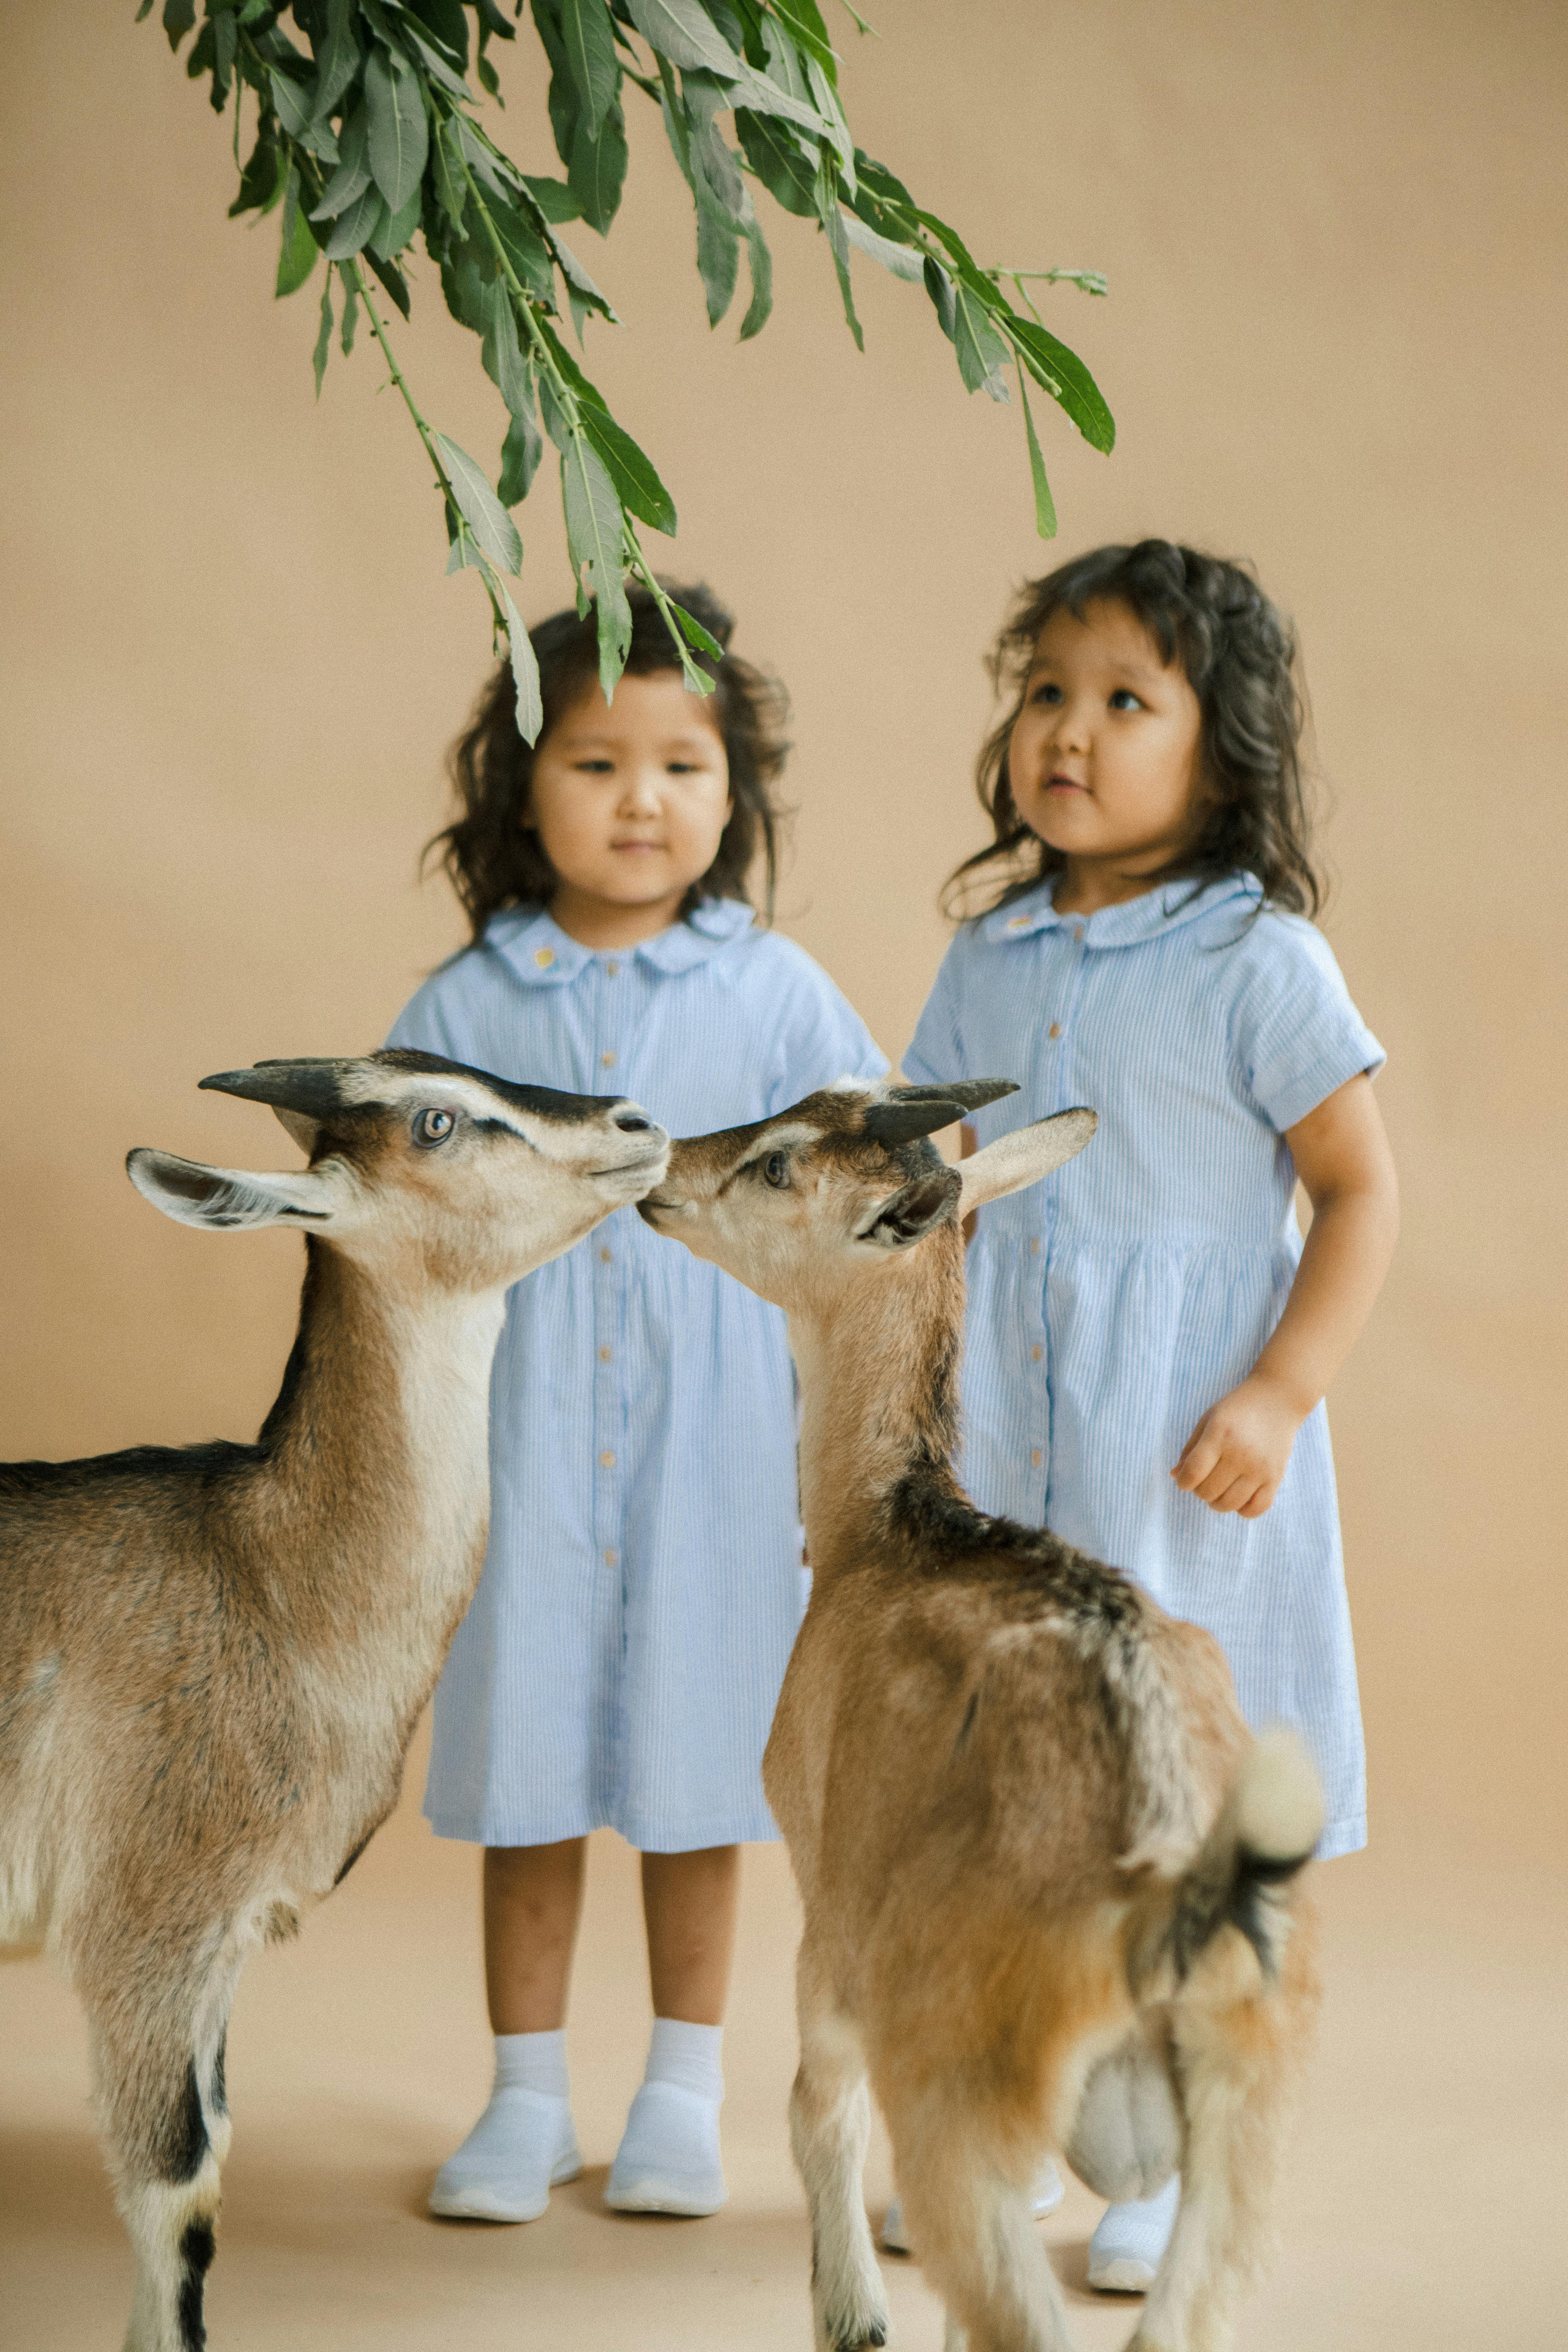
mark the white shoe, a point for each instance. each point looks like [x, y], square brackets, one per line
[1126, 2249]
[522, 2146]
[1047, 2195]
[669, 2159]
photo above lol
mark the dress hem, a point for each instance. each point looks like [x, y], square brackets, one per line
[648, 1837]
[1347, 1835]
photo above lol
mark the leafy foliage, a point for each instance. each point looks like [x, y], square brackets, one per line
[367, 137]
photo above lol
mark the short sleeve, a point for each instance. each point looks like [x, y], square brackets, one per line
[936, 1050]
[1297, 1034]
[822, 1038]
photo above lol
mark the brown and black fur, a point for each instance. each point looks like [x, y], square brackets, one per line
[1047, 1874]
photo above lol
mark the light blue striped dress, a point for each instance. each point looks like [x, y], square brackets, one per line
[622, 1657]
[1110, 1306]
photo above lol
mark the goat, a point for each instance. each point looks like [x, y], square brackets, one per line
[212, 1658]
[1043, 1866]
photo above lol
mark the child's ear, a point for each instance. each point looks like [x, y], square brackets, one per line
[1022, 1157]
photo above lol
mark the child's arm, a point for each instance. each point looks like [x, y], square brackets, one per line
[1236, 1455]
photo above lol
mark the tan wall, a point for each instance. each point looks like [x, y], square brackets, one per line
[1335, 342]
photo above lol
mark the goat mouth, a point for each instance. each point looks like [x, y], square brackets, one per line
[631, 1166]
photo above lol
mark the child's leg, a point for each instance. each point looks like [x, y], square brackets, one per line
[668, 2160]
[524, 2141]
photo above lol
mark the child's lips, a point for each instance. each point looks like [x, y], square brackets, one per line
[1064, 784]
[624, 846]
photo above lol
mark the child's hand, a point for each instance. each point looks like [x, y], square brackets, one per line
[1236, 1455]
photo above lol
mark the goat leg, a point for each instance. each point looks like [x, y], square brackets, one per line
[831, 2124]
[970, 2217]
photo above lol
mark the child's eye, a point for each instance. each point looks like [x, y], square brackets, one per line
[1125, 699]
[1052, 694]
[596, 767]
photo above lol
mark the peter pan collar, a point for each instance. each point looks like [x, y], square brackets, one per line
[1136, 919]
[541, 953]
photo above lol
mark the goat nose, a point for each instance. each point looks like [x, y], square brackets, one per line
[632, 1122]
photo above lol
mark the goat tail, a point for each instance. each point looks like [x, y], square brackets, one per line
[1265, 1831]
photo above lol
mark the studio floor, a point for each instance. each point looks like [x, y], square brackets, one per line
[1426, 2203]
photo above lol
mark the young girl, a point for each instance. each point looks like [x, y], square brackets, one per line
[1148, 1341]
[621, 1659]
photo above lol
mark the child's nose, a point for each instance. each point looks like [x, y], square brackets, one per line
[641, 788]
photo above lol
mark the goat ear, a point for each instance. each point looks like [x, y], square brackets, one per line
[901, 1122]
[1022, 1157]
[971, 1093]
[221, 1198]
[907, 1215]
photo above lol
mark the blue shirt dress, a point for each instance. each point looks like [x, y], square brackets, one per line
[1112, 1303]
[620, 1662]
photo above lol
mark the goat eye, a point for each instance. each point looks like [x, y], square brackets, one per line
[775, 1168]
[433, 1126]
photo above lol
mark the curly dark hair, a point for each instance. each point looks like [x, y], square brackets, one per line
[1238, 653]
[493, 863]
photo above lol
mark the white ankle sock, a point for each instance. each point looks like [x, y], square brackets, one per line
[686, 2055]
[532, 2061]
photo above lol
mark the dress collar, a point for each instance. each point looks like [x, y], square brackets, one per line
[541, 953]
[1136, 919]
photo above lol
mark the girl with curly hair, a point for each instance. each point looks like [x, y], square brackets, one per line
[622, 1656]
[1148, 1341]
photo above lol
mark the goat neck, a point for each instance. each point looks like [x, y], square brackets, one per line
[879, 1361]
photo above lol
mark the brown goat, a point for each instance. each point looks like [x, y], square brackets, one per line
[1044, 1868]
[212, 1659]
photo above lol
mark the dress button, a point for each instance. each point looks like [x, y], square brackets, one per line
[1037, 1352]
[608, 1061]
[1036, 1458]
[544, 958]
[607, 1461]
[1055, 1030]
[614, 970]
[606, 1254]
[1077, 931]
[1034, 1247]
[605, 1353]
[611, 1558]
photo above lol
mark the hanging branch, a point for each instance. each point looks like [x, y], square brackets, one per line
[368, 138]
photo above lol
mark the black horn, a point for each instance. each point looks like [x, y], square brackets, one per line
[901, 1122]
[973, 1094]
[311, 1087]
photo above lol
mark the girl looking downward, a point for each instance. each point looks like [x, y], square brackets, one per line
[1148, 1341]
[621, 1659]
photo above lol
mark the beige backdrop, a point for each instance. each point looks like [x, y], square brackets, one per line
[1335, 342]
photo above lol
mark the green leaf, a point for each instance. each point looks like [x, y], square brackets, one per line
[492, 21]
[433, 62]
[337, 61]
[555, 199]
[832, 220]
[678, 30]
[489, 82]
[591, 59]
[392, 230]
[264, 177]
[524, 672]
[392, 277]
[558, 421]
[353, 229]
[324, 338]
[761, 263]
[637, 485]
[902, 260]
[694, 632]
[1066, 378]
[835, 130]
[451, 187]
[597, 170]
[712, 160]
[939, 286]
[495, 533]
[502, 356]
[350, 315]
[444, 22]
[226, 45]
[525, 249]
[804, 19]
[981, 353]
[351, 178]
[520, 455]
[179, 16]
[297, 253]
[595, 532]
[1045, 505]
[399, 135]
[718, 254]
[776, 158]
[564, 103]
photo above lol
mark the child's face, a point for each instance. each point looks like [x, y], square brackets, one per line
[1104, 756]
[630, 798]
